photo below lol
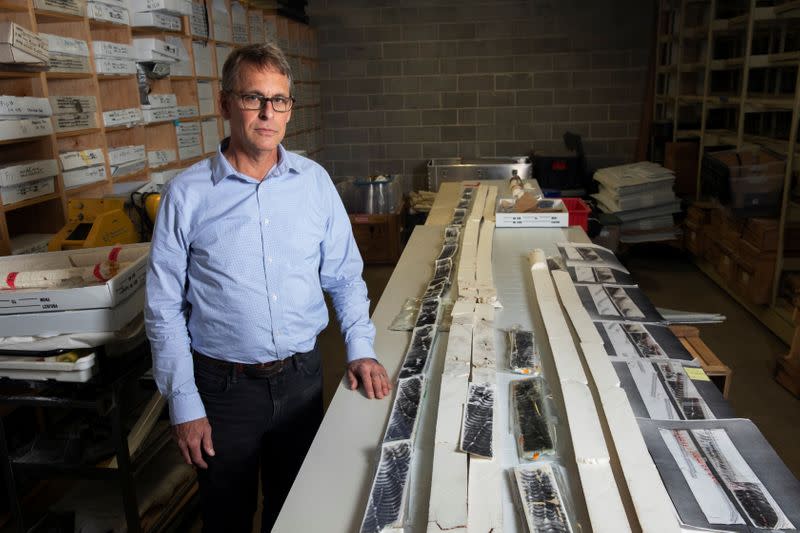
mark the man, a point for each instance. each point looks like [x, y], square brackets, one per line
[244, 244]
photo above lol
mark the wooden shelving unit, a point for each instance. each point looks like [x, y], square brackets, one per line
[254, 22]
[728, 74]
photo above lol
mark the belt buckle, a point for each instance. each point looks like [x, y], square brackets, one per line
[265, 371]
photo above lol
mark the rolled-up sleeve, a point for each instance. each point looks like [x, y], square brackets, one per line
[341, 277]
[166, 313]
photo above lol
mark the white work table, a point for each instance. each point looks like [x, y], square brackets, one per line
[332, 487]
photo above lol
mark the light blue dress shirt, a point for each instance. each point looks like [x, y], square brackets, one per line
[237, 269]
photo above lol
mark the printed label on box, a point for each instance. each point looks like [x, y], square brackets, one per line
[187, 111]
[119, 117]
[126, 154]
[160, 100]
[24, 40]
[160, 114]
[66, 45]
[157, 20]
[199, 20]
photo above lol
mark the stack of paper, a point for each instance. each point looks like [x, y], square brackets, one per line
[223, 51]
[210, 135]
[641, 195]
[189, 143]
[21, 46]
[183, 65]
[71, 7]
[199, 20]
[160, 158]
[239, 23]
[205, 98]
[222, 22]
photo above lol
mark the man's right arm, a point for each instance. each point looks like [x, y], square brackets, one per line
[166, 313]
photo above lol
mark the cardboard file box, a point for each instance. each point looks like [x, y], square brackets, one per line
[27, 190]
[19, 45]
[24, 171]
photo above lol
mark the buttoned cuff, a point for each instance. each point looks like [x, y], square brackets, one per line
[185, 408]
[359, 349]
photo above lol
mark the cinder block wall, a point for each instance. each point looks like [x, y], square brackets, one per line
[402, 85]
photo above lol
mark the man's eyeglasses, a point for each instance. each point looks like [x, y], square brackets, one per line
[280, 104]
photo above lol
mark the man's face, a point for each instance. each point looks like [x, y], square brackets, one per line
[257, 132]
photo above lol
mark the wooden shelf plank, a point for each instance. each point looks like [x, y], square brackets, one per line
[22, 139]
[68, 75]
[77, 133]
[30, 202]
[12, 6]
[43, 15]
[88, 187]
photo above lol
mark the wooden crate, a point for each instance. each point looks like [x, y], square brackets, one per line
[378, 237]
[719, 372]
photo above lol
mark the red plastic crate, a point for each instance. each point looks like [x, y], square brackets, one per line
[578, 212]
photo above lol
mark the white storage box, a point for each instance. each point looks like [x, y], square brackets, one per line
[123, 117]
[121, 67]
[19, 45]
[559, 219]
[210, 135]
[73, 104]
[161, 100]
[202, 59]
[23, 171]
[206, 107]
[71, 7]
[255, 19]
[175, 7]
[25, 127]
[24, 106]
[157, 20]
[223, 51]
[113, 50]
[27, 190]
[81, 159]
[152, 49]
[107, 13]
[84, 176]
[159, 158]
[126, 154]
[188, 111]
[78, 321]
[74, 122]
[160, 114]
[48, 368]
[110, 294]
[65, 45]
[190, 151]
[199, 20]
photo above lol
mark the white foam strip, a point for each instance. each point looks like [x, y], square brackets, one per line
[447, 509]
[469, 253]
[581, 320]
[606, 513]
[568, 363]
[433, 527]
[538, 259]
[491, 204]
[483, 349]
[459, 341]
[600, 367]
[484, 261]
[653, 506]
[452, 395]
[480, 202]
[584, 424]
[650, 498]
[485, 508]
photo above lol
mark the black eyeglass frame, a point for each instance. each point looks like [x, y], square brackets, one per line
[263, 100]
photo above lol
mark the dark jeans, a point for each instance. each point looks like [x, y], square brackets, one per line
[256, 421]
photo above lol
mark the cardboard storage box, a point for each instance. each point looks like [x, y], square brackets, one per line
[378, 237]
[694, 238]
[104, 295]
[754, 273]
[25, 191]
[23, 171]
[20, 45]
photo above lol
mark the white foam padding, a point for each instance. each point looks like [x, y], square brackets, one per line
[651, 501]
[584, 424]
[447, 508]
[606, 513]
[600, 367]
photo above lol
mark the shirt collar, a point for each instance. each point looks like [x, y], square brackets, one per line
[221, 168]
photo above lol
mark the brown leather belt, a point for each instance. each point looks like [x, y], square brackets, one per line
[270, 368]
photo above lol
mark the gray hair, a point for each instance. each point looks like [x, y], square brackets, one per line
[262, 56]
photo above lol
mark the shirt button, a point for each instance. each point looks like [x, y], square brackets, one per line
[266, 221]
[274, 297]
[269, 260]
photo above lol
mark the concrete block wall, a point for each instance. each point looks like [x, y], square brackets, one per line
[404, 82]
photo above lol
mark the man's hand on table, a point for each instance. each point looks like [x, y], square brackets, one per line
[193, 437]
[372, 374]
